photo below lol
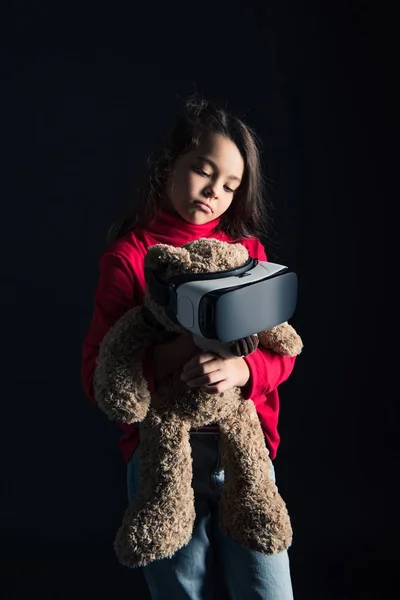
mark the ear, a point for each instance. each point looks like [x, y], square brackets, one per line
[282, 339]
[166, 260]
[210, 255]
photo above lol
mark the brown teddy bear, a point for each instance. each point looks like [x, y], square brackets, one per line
[160, 519]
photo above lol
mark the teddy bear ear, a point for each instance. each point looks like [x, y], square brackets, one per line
[163, 257]
[209, 255]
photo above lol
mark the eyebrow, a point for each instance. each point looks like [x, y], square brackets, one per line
[215, 166]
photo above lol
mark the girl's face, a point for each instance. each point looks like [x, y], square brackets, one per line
[203, 183]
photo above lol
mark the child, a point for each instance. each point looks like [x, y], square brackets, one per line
[206, 182]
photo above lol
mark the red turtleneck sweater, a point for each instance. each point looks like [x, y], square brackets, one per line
[121, 286]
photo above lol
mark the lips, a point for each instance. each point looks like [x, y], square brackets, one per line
[204, 207]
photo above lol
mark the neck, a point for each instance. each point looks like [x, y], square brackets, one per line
[171, 226]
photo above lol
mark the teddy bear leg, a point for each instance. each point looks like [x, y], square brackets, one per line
[160, 519]
[251, 510]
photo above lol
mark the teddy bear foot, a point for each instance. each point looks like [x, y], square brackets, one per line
[264, 527]
[147, 536]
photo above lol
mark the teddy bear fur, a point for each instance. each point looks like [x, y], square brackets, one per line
[160, 519]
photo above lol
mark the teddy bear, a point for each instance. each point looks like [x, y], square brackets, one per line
[160, 519]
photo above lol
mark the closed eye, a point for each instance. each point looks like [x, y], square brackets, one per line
[201, 172]
[204, 174]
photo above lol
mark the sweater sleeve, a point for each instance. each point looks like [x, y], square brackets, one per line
[267, 372]
[267, 369]
[114, 296]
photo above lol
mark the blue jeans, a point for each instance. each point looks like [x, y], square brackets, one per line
[191, 574]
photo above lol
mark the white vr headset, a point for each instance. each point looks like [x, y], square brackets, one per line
[228, 305]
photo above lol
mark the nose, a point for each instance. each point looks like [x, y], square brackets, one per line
[210, 192]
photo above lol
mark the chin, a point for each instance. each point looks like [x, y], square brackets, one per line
[199, 219]
[196, 217]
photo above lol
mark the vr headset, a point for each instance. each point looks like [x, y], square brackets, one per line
[228, 305]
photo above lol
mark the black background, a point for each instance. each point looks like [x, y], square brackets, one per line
[87, 91]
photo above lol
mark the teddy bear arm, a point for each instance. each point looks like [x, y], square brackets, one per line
[282, 339]
[120, 387]
[245, 346]
[238, 348]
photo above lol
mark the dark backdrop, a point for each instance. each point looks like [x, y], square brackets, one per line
[87, 91]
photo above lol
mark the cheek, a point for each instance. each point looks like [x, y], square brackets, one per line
[175, 188]
[222, 206]
[183, 183]
[227, 201]
[194, 183]
[186, 187]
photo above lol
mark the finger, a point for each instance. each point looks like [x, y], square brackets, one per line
[210, 379]
[202, 369]
[217, 388]
[199, 359]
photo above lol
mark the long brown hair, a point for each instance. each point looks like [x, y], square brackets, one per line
[248, 214]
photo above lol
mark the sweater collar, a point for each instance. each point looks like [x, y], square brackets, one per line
[169, 228]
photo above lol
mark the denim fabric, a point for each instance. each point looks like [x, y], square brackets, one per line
[192, 573]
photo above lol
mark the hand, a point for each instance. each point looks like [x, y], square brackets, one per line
[215, 374]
